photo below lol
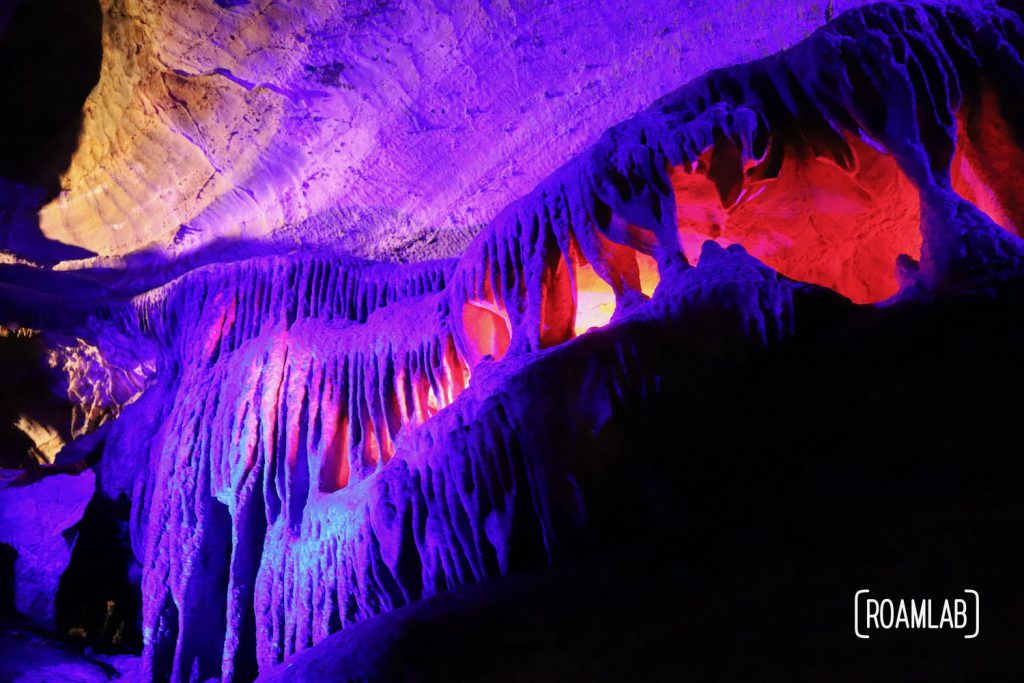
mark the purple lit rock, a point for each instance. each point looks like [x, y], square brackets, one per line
[34, 520]
[395, 129]
[27, 657]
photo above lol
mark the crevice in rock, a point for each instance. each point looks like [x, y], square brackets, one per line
[98, 600]
[45, 83]
[8, 556]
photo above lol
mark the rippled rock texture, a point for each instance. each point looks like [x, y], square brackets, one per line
[395, 128]
[308, 440]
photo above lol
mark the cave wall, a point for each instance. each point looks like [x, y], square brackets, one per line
[396, 129]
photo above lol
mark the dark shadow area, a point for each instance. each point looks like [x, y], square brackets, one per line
[245, 564]
[98, 600]
[7, 557]
[207, 621]
[33, 392]
[50, 55]
[881, 454]
[884, 455]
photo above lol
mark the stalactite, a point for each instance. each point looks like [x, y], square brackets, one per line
[744, 128]
[287, 419]
[231, 303]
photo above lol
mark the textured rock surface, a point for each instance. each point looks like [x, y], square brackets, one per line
[394, 128]
[35, 521]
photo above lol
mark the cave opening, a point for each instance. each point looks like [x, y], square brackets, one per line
[596, 300]
[46, 82]
[987, 159]
[98, 600]
[809, 218]
[488, 329]
[335, 469]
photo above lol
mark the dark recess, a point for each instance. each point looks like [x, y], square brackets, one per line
[98, 600]
[50, 55]
[7, 557]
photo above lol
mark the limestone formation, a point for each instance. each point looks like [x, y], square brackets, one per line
[309, 439]
[394, 129]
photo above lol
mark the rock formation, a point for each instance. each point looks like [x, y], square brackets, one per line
[35, 521]
[394, 129]
[309, 440]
